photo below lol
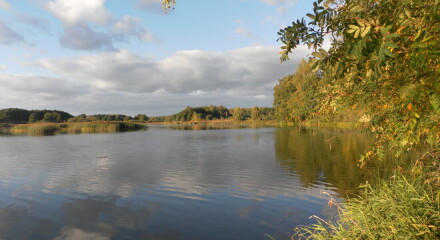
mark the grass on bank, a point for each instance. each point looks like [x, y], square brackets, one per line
[47, 129]
[407, 206]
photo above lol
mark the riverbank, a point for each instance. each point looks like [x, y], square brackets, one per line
[47, 129]
[405, 206]
[268, 123]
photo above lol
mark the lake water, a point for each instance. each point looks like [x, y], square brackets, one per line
[175, 183]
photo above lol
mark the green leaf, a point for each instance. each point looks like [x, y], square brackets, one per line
[391, 45]
[353, 26]
[360, 22]
[407, 12]
[388, 52]
[310, 16]
[365, 32]
[392, 35]
[356, 34]
[318, 55]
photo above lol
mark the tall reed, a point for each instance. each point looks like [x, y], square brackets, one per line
[407, 206]
[46, 129]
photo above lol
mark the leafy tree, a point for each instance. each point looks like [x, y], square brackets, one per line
[385, 56]
[141, 117]
[52, 117]
[33, 118]
[296, 96]
[255, 113]
[239, 114]
[208, 113]
[196, 117]
[266, 113]
[79, 118]
[14, 115]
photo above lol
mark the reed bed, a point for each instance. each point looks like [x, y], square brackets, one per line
[407, 206]
[48, 129]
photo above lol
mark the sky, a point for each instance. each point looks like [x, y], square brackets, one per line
[129, 57]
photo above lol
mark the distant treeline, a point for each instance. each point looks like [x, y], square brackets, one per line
[16, 115]
[109, 118]
[218, 113]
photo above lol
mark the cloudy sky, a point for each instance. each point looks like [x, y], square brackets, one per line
[127, 56]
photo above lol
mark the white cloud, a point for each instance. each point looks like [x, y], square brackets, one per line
[5, 5]
[79, 18]
[151, 5]
[123, 82]
[132, 26]
[83, 37]
[36, 22]
[184, 72]
[245, 32]
[8, 36]
[46, 87]
[80, 11]
[272, 2]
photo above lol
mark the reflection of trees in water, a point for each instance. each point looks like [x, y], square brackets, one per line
[328, 155]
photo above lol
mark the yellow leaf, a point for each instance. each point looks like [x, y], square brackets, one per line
[409, 107]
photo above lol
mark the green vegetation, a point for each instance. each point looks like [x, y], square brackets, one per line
[200, 113]
[406, 206]
[384, 59]
[383, 64]
[47, 129]
[189, 114]
[207, 113]
[17, 115]
[21, 116]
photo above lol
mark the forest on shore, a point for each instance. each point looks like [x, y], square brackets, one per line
[189, 114]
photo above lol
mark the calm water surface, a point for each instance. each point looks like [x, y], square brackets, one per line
[170, 183]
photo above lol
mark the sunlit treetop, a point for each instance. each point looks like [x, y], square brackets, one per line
[384, 54]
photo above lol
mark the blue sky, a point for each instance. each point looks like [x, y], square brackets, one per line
[127, 56]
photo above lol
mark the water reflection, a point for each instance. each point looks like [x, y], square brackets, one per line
[331, 156]
[168, 184]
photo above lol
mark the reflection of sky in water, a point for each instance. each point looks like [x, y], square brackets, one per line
[157, 184]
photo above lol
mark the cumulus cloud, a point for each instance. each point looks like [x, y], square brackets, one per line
[8, 36]
[272, 2]
[124, 82]
[184, 72]
[5, 5]
[38, 86]
[245, 32]
[80, 33]
[151, 5]
[80, 18]
[83, 37]
[80, 11]
[132, 26]
[36, 22]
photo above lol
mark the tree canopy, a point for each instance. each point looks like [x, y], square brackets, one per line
[384, 55]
